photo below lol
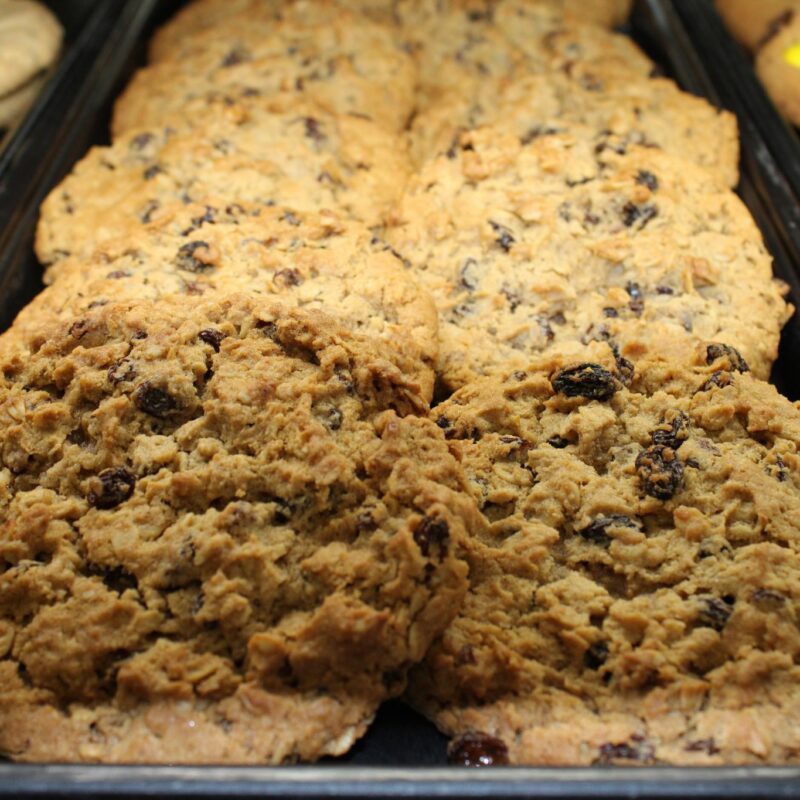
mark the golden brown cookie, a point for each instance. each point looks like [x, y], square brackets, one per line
[343, 62]
[547, 242]
[313, 162]
[634, 594]
[205, 251]
[650, 111]
[225, 535]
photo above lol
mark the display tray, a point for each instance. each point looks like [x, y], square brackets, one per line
[402, 755]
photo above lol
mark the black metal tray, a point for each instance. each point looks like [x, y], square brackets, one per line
[402, 755]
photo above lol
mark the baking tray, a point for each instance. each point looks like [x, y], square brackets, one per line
[402, 755]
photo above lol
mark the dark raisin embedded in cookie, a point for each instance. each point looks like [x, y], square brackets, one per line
[212, 337]
[476, 749]
[111, 487]
[596, 655]
[660, 471]
[714, 613]
[585, 380]
[194, 257]
[637, 750]
[154, 401]
[596, 531]
[715, 351]
[432, 532]
[646, 178]
[672, 434]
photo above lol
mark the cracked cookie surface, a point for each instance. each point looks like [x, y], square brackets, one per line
[545, 244]
[226, 536]
[314, 162]
[202, 251]
[634, 594]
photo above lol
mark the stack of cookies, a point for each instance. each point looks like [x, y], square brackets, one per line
[400, 348]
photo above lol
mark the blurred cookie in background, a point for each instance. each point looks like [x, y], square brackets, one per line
[778, 66]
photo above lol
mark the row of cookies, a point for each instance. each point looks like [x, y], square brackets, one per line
[653, 242]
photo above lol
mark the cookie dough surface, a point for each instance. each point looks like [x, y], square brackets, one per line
[344, 63]
[312, 162]
[30, 38]
[547, 243]
[225, 536]
[647, 111]
[204, 251]
[634, 594]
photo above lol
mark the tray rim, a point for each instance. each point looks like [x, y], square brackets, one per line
[31, 780]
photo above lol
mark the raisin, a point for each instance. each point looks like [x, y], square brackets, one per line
[188, 261]
[536, 132]
[716, 351]
[671, 434]
[141, 141]
[443, 423]
[631, 214]
[476, 749]
[151, 172]
[153, 401]
[595, 531]
[660, 471]
[585, 380]
[212, 337]
[664, 290]
[504, 238]
[646, 178]
[137, 336]
[718, 380]
[118, 274]
[782, 474]
[558, 442]
[237, 55]
[146, 214]
[714, 614]
[116, 486]
[291, 219]
[702, 746]
[768, 599]
[596, 655]
[636, 303]
[514, 300]
[469, 277]
[122, 370]
[713, 547]
[635, 750]
[289, 277]
[312, 129]
[610, 312]
[335, 418]
[431, 531]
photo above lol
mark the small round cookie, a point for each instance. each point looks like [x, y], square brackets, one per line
[778, 67]
[749, 22]
[344, 63]
[312, 162]
[30, 38]
[550, 242]
[226, 536]
[651, 111]
[635, 591]
[308, 260]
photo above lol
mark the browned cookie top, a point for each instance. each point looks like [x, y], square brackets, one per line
[225, 536]
[635, 591]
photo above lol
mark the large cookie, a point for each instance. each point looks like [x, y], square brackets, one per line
[346, 64]
[30, 38]
[309, 260]
[225, 536]
[550, 242]
[470, 49]
[635, 593]
[649, 111]
[299, 158]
